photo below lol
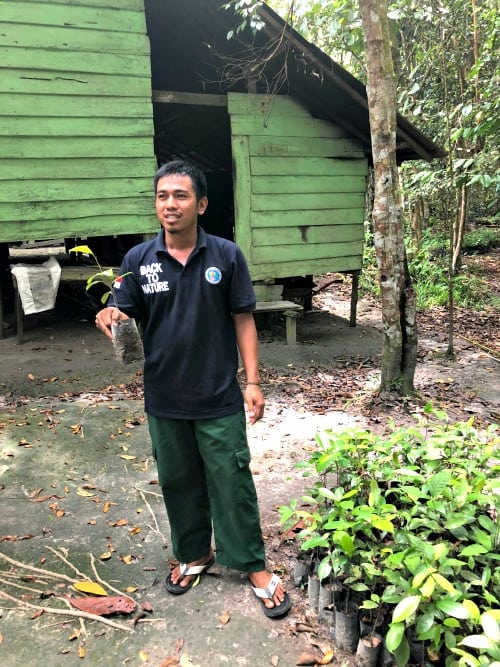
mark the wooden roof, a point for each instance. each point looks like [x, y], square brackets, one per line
[192, 55]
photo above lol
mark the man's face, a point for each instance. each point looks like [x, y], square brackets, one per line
[176, 205]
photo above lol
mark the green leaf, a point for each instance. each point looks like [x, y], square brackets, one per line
[427, 589]
[472, 608]
[490, 627]
[383, 524]
[326, 493]
[347, 543]
[477, 641]
[439, 482]
[317, 541]
[444, 583]
[420, 577]
[84, 249]
[402, 653]
[359, 587]
[324, 569]
[394, 636]
[405, 608]
[439, 550]
[473, 550]
[453, 608]
[425, 623]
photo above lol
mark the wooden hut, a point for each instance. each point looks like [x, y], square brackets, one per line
[96, 93]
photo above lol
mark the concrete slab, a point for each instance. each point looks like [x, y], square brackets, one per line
[77, 478]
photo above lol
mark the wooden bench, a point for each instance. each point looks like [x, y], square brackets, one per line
[289, 309]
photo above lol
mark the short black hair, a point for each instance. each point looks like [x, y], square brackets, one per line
[183, 168]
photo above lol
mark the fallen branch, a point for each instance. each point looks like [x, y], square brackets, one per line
[70, 565]
[143, 496]
[66, 612]
[38, 570]
[23, 588]
[83, 629]
[493, 354]
[101, 581]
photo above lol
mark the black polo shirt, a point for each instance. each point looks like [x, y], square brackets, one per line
[191, 356]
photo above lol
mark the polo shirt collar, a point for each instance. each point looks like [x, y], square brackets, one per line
[159, 244]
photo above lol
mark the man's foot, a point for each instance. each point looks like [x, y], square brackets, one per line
[185, 575]
[269, 589]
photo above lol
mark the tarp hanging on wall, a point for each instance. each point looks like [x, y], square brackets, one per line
[37, 285]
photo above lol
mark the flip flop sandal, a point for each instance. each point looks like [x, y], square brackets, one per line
[186, 571]
[267, 593]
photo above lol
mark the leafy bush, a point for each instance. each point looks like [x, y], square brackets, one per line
[480, 241]
[409, 525]
[429, 270]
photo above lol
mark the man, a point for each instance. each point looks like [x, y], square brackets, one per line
[193, 294]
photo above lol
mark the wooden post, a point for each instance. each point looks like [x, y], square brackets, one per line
[291, 327]
[354, 297]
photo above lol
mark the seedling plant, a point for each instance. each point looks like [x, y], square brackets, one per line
[408, 526]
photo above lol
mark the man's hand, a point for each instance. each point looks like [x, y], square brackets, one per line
[255, 402]
[108, 316]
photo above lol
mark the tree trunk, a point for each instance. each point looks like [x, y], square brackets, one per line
[459, 229]
[399, 353]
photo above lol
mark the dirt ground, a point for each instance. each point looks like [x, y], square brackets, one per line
[333, 366]
[325, 382]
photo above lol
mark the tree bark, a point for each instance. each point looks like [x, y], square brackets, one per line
[399, 352]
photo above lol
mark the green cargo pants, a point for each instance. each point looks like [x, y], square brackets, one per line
[204, 474]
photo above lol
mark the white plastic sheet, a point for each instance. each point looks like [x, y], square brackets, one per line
[37, 285]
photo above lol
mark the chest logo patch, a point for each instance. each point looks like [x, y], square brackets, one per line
[213, 275]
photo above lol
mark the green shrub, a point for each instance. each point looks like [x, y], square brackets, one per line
[480, 241]
[429, 271]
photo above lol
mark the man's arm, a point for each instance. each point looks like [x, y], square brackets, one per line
[246, 337]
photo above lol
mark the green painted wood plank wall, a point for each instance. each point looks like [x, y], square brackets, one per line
[76, 119]
[300, 188]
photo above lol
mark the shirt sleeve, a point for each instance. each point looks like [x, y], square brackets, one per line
[242, 294]
[126, 293]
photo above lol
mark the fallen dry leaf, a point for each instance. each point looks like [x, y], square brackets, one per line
[106, 555]
[304, 627]
[83, 492]
[171, 661]
[309, 659]
[81, 651]
[42, 499]
[89, 587]
[275, 661]
[14, 538]
[107, 506]
[118, 604]
[128, 560]
[224, 618]
[327, 658]
[120, 522]
[144, 657]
